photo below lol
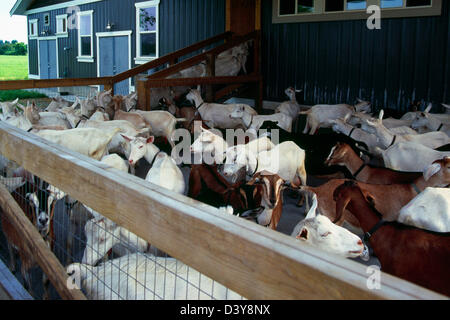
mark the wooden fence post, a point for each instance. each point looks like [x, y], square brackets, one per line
[210, 72]
[143, 96]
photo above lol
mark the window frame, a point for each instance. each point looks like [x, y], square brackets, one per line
[35, 23]
[80, 57]
[58, 18]
[144, 5]
[435, 9]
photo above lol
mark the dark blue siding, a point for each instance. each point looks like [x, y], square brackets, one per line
[181, 23]
[408, 59]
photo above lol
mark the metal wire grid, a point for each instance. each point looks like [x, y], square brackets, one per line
[121, 266]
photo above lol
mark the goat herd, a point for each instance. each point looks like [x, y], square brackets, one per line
[402, 206]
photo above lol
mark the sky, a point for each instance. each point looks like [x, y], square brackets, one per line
[12, 28]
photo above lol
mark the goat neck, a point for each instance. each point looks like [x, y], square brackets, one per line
[349, 196]
[353, 163]
[151, 152]
[247, 119]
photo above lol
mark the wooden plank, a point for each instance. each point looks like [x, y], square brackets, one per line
[43, 255]
[201, 57]
[158, 83]
[170, 57]
[11, 286]
[52, 83]
[254, 261]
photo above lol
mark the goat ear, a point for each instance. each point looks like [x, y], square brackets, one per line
[446, 105]
[380, 116]
[150, 139]
[303, 234]
[129, 139]
[428, 109]
[431, 171]
[370, 123]
[347, 116]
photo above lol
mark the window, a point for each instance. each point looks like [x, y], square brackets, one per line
[85, 37]
[329, 10]
[147, 31]
[46, 19]
[61, 24]
[33, 28]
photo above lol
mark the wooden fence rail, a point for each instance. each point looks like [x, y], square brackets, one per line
[253, 261]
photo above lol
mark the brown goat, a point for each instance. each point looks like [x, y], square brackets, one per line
[136, 119]
[271, 195]
[389, 199]
[206, 184]
[343, 155]
[416, 255]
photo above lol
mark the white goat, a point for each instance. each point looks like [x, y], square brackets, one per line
[320, 116]
[256, 121]
[388, 139]
[285, 159]
[162, 123]
[217, 115]
[103, 234]
[146, 277]
[57, 104]
[165, 173]
[318, 231]
[410, 156]
[90, 142]
[291, 107]
[430, 210]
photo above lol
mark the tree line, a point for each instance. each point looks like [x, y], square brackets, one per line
[13, 48]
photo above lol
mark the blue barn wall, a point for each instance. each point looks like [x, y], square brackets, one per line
[334, 62]
[181, 23]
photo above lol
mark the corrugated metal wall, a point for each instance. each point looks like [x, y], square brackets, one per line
[333, 62]
[182, 22]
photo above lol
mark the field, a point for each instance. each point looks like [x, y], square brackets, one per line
[13, 67]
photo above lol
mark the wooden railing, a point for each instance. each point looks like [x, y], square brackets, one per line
[251, 260]
[158, 79]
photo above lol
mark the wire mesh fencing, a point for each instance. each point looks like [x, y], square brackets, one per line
[103, 259]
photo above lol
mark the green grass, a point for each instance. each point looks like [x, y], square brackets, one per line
[9, 95]
[13, 67]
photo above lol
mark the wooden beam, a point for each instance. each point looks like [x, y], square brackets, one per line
[143, 95]
[52, 83]
[48, 262]
[169, 58]
[176, 82]
[201, 57]
[254, 261]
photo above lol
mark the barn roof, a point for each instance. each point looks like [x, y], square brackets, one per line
[21, 7]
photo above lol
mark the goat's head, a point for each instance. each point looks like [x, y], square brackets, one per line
[194, 96]
[207, 141]
[88, 106]
[439, 171]
[337, 154]
[104, 98]
[290, 92]
[117, 101]
[272, 196]
[238, 112]
[101, 235]
[363, 106]
[32, 112]
[347, 192]
[317, 230]
[130, 101]
[238, 157]
[421, 119]
[38, 203]
[138, 147]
